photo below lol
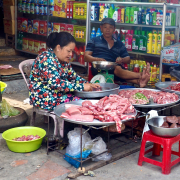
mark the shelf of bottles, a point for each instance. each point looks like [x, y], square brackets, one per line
[143, 27]
[36, 19]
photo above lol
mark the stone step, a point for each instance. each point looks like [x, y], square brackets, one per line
[2, 42]
[7, 51]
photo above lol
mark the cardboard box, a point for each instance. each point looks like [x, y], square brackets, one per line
[9, 26]
[79, 10]
[9, 12]
[9, 2]
[171, 55]
[43, 28]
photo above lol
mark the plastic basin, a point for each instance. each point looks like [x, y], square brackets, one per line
[3, 86]
[23, 146]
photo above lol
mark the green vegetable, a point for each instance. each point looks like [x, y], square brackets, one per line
[140, 96]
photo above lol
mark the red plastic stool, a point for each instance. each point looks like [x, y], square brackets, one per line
[167, 143]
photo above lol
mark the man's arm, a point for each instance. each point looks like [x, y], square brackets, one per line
[89, 58]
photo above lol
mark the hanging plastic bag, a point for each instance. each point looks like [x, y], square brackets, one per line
[7, 110]
[99, 147]
[74, 137]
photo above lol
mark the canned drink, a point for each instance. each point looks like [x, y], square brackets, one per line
[45, 10]
[28, 8]
[51, 9]
[24, 7]
[36, 9]
[41, 9]
[20, 6]
[32, 8]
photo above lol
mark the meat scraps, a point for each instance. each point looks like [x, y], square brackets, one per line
[159, 97]
[26, 138]
[171, 122]
[107, 109]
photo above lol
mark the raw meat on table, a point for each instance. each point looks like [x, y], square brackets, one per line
[26, 138]
[108, 109]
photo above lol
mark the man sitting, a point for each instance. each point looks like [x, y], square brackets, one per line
[106, 48]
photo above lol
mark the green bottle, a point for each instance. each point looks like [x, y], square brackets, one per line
[132, 15]
[154, 18]
[135, 42]
[123, 37]
[173, 19]
[127, 16]
[143, 43]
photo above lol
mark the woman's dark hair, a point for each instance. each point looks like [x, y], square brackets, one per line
[61, 38]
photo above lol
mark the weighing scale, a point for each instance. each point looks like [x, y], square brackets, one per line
[103, 77]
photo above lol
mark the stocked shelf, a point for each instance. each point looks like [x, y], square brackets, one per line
[138, 25]
[144, 54]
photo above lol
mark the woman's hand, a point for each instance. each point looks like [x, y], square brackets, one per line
[89, 87]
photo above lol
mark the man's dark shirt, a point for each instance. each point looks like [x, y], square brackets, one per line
[100, 49]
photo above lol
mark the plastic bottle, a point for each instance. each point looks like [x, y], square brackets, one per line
[105, 14]
[92, 12]
[132, 15]
[135, 17]
[154, 43]
[139, 16]
[123, 35]
[154, 18]
[115, 15]
[154, 73]
[159, 37]
[96, 12]
[149, 43]
[150, 18]
[119, 15]
[98, 33]
[173, 19]
[127, 15]
[122, 15]
[135, 42]
[111, 11]
[168, 39]
[147, 16]
[143, 17]
[93, 33]
[172, 38]
[143, 42]
[158, 18]
[128, 41]
[161, 18]
[101, 12]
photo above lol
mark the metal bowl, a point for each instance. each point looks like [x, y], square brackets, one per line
[155, 123]
[104, 65]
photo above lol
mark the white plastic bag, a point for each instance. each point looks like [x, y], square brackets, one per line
[99, 147]
[74, 137]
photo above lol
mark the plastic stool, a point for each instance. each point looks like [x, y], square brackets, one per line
[167, 143]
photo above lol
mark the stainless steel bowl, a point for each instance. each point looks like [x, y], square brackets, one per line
[104, 65]
[155, 123]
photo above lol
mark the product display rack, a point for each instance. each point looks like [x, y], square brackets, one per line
[46, 18]
[164, 6]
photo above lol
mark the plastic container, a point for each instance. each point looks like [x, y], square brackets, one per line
[132, 15]
[92, 12]
[101, 12]
[123, 35]
[119, 15]
[143, 17]
[139, 16]
[127, 15]
[128, 41]
[98, 33]
[122, 15]
[154, 43]
[147, 16]
[142, 42]
[154, 18]
[111, 11]
[105, 14]
[135, 42]
[93, 33]
[115, 15]
[158, 18]
[149, 43]
[135, 17]
[23, 146]
[150, 18]
[159, 37]
[96, 12]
